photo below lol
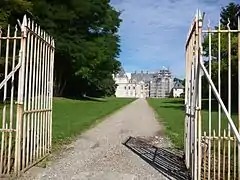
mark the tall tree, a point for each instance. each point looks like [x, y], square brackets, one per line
[11, 9]
[86, 38]
[87, 43]
[230, 13]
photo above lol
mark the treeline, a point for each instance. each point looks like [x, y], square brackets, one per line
[230, 13]
[87, 43]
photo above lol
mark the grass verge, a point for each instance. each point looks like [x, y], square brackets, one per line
[171, 113]
[172, 116]
[72, 117]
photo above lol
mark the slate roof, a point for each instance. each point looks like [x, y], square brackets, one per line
[178, 85]
[146, 77]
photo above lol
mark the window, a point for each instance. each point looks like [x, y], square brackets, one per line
[133, 87]
[125, 87]
[129, 87]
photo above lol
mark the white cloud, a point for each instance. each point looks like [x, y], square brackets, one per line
[153, 32]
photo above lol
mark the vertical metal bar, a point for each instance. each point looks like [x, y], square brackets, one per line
[214, 154]
[187, 120]
[234, 157]
[51, 92]
[11, 103]
[204, 157]
[44, 94]
[20, 97]
[186, 108]
[47, 94]
[193, 103]
[0, 55]
[30, 98]
[224, 153]
[40, 97]
[4, 100]
[188, 143]
[198, 166]
[190, 105]
[238, 164]
[27, 94]
[187, 111]
[229, 97]
[5, 124]
[5, 150]
[34, 92]
[210, 99]
[37, 93]
[219, 106]
[25, 123]
[191, 128]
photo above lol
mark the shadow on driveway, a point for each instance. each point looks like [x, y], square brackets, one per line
[166, 162]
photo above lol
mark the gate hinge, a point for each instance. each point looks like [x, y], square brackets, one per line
[18, 103]
[198, 108]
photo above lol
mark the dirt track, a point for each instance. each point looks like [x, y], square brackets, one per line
[99, 153]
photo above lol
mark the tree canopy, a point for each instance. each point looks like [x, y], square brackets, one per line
[87, 43]
[228, 14]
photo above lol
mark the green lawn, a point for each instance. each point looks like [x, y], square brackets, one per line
[72, 117]
[171, 113]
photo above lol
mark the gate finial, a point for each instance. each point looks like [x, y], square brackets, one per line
[198, 14]
[239, 22]
[24, 25]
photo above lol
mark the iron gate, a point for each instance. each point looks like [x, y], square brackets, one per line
[212, 150]
[27, 60]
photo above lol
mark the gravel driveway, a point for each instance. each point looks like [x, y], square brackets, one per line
[99, 154]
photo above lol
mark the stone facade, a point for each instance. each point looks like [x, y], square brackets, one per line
[128, 88]
[144, 84]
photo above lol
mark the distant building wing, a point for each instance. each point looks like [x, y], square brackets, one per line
[178, 85]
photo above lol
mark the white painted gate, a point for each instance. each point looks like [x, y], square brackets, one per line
[212, 150]
[26, 67]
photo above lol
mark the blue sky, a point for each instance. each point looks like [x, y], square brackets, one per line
[153, 32]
